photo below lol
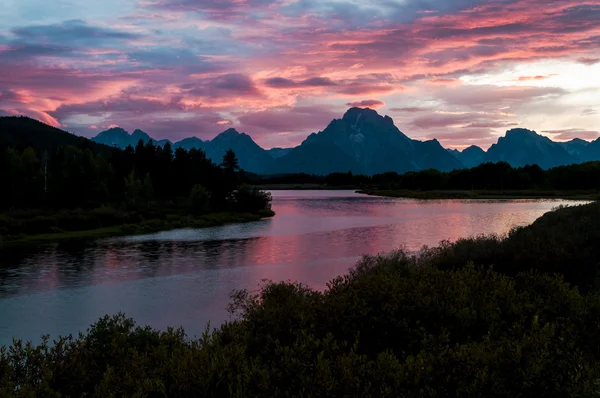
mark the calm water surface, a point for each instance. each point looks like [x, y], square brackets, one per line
[184, 277]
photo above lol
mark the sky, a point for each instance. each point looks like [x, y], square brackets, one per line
[461, 71]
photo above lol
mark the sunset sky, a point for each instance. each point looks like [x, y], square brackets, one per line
[461, 71]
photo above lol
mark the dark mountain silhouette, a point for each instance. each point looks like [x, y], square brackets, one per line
[471, 156]
[251, 156]
[190, 143]
[375, 145]
[432, 155]
[363, 141]
[120, 138]
[576, 147]
[21, 132]
[278, 152]
[325, 158]
[591, 151]
[520, 147]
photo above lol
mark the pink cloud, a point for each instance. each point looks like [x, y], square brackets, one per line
[205, 62]
[569, 134]
[411, 109]
[538, 77]
[373, 103]
[588, 61]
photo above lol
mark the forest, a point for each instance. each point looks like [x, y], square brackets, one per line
[71, 188]
[491, 316]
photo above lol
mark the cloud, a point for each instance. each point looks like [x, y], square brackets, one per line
[216, 9]
[463, 121]
[441, 120]
[477, 96]
[297, 119]
[281, 82]
[538, 77]
[588, 112]
[73, 32]
[373, 103]
[588, 61]
[569, 134]
[227, 85]
[411, 109]
[493, 124]
[248, 61]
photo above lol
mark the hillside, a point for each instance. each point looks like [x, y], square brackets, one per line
[24, 132]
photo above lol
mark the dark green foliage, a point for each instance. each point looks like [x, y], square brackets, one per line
[22, 132]
[488, 176]
[430, 324]
[200, 199]
[251, 200]
[564, 241]
[230, 164]
[41, 186]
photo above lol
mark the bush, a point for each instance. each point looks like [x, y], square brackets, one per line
[429, 324]
[199, 200]
[564, 241]
[251, 200]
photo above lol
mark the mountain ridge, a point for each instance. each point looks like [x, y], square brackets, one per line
[361, 141]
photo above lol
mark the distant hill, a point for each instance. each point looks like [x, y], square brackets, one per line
[591, 151]
[576, 147]
[278, 152]
[471, 156]
[251, 156]
[325, 158]
[120, 138]
[520, 147]
[21, 132]
[190, 143]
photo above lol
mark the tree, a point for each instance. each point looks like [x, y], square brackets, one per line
[230, 163]
[133, 189]
[231, 166]
[199, 199]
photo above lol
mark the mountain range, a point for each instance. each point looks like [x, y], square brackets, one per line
[362, 141]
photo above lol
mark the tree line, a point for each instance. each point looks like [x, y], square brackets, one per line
[487, 176]
[141, 177]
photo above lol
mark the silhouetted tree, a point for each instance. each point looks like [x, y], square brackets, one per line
[230, 162]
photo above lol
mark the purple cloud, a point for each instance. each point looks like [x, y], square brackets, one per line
[373, 103]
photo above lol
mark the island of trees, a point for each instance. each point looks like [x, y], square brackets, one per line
[59, 189]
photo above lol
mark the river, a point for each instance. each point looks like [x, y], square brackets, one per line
[184, 277]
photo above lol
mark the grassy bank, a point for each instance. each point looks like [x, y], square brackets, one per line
[510, 316]
[286, 187]
[487, 194]
[157, 222]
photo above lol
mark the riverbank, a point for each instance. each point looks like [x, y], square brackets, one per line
[486, 316]
[475, 194]
[167, 222]
[301, 187]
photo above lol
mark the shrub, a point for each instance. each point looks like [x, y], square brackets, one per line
[199, 200]
[428, 324]
[251, 200]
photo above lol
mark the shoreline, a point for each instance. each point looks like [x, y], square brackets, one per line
[460, 194]
[441, 194]
[145, 227]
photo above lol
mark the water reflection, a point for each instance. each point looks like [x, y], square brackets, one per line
[183, 277]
